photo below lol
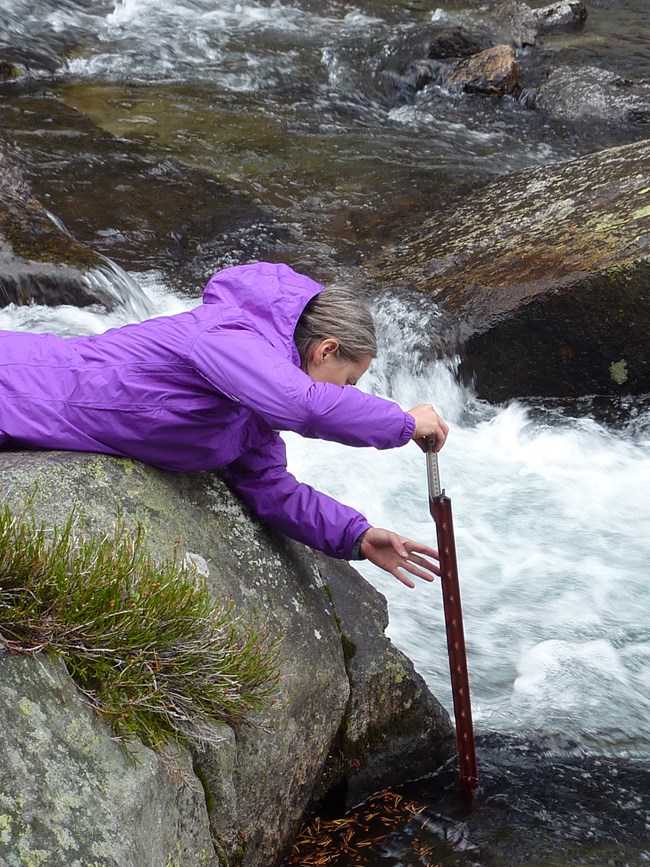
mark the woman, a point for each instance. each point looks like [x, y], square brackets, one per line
[267, 350]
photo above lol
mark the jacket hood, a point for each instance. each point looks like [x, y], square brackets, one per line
[272, 297]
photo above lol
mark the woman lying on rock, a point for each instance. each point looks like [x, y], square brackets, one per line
[267, 350]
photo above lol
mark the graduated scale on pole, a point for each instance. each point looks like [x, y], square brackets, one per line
[440, 508]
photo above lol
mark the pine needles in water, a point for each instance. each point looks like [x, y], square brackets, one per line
[145, 641]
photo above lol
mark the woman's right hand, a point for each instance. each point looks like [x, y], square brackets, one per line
[428, 424]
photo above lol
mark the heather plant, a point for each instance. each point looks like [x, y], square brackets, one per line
[145, 641]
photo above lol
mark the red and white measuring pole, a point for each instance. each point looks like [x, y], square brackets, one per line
[440, 508]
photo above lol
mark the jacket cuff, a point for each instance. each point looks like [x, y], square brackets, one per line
[352, 540]
[356, 548]
[407, 431]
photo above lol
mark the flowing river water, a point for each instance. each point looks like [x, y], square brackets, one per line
[286, 104]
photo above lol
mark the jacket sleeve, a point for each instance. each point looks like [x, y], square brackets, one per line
[247, 368]
[261, 479]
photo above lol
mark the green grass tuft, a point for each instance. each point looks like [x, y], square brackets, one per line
[145, 641]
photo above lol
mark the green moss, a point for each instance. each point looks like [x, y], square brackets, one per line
[349, 647]
[210, 803]
[618, 371]
[145, 641]
[26, 706]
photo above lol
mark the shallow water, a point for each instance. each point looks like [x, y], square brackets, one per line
[283, 106]
[288, 101]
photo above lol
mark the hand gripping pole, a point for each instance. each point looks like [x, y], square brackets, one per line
[440, 508]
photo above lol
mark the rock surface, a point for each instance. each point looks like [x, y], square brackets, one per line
[545, 275]
[493, 71]
[588, 93]
[520, 24]
[71, 795]
[375, 716]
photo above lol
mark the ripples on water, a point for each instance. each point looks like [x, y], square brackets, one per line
[288, 101]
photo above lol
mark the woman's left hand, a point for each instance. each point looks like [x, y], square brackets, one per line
[393, 553]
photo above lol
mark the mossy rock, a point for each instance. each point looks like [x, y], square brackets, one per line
[544, 275]
[257, 780]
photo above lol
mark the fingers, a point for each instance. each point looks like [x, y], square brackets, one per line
[419, 548]
[410, 550]
[424, 564]
[439, 436]
[404, 579]
[413, 570]
[399, 556]
[412, 562]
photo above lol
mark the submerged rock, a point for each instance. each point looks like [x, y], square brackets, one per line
[348, 700]
[40, 263]
[544, 276]
[451, 44]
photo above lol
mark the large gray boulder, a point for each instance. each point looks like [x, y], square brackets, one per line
[544, 276]
[350, 710]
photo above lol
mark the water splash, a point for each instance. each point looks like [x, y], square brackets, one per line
[553, 552]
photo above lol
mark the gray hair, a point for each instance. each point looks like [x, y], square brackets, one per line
[339, 313]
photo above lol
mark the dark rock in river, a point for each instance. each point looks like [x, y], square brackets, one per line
[456, 43]
[349, 710]
[588, 93]
[7, 70]
[142, 210]
[546, 275]
[483, 60]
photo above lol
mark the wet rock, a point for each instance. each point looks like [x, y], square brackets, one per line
[515, 23]
[456, 43]
[39, 262]
[400, 87]
[544, 276]
[493, 71]
[7, 70]
[488, 63]
[566, 13]
[518, 24]
[24, 60]
[387, 695]
[343, 684]
[587, 93]
[141, 210]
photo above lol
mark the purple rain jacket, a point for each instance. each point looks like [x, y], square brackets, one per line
[202, 390]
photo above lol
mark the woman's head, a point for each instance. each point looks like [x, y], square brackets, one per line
[335, 330]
